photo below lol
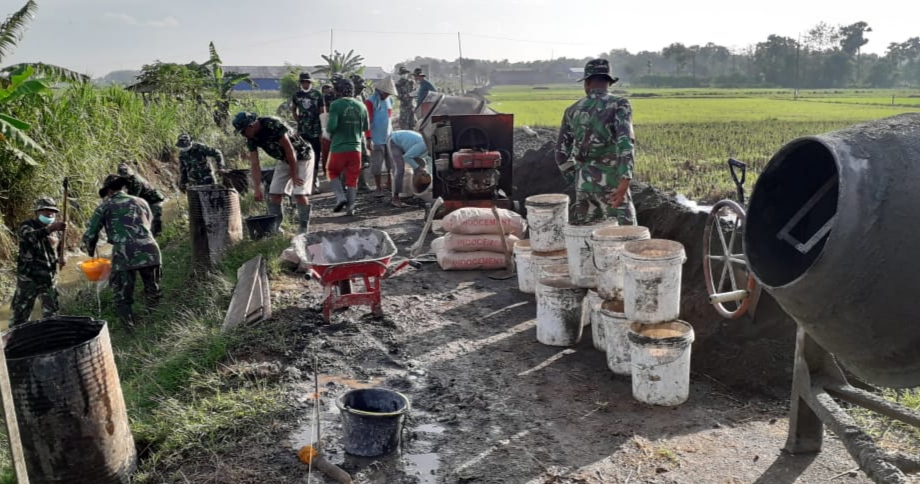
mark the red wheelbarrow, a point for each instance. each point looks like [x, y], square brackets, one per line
[340, 257]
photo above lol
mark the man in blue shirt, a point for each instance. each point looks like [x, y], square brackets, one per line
[409, 147]
[424, 86]
[380, 110]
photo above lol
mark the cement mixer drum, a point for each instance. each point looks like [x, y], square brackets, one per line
[832, 234]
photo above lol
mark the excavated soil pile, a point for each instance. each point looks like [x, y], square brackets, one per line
[747, 355]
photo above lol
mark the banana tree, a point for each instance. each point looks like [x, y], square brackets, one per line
[17, 85]
[221, 86]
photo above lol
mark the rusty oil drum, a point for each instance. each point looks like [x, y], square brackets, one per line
[69, 404]
[830, 233]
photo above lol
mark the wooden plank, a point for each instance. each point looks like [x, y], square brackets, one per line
[247, 280]
[9, 414]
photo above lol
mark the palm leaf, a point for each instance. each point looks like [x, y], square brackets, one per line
[215, 59]
[13, 136]
[14, 26]
[55, 73]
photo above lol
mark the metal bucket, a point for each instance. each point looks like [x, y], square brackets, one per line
[829, 233]
[214, 222]
[69, 404]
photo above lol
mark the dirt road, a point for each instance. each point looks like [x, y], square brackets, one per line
[485, 409]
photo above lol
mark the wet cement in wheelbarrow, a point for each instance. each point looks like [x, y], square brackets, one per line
[491, 405]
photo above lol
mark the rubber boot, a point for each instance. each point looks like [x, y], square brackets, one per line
[352, 195]
[363, 187]
[339, 192]
[276, 210]
[303, 217]
[126, 316]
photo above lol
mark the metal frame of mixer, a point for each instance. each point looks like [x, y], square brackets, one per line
[817, 380]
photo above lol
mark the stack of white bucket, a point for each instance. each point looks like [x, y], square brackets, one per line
[658, 343]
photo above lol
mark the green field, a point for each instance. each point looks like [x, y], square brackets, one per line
[685, 136]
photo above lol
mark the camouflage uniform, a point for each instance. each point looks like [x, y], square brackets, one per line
[194, 166]
[127, 222]
[309, 105]
[138, 186]
[595, 151]
[36, 271]
[404, 88]
[269, 139]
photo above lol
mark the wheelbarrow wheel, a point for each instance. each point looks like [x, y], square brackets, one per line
[729, 281]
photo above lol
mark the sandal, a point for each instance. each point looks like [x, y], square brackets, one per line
[397, 203]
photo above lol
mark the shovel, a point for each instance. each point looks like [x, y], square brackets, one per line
[416, 248]
[509, 272]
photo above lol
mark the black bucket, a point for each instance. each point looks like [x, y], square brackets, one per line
[372, 419]
[69, 404]
[261, 226]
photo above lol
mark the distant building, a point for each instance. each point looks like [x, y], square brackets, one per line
[575, 73]
[268, 78]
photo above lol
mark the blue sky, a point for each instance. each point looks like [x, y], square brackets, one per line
[98, 36]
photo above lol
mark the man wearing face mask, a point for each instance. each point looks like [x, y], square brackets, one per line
[194, 167]
[37, 264]
[127, 221]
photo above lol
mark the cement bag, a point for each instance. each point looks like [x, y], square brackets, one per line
[437, 245]
[469, 261]
[474, 243]
[473, 221]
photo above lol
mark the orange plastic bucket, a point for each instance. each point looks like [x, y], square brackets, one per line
[95, 269]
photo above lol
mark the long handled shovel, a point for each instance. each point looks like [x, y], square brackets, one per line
[509, 271]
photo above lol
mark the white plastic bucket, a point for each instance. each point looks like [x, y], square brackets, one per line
[547, 216]
[660, 362]
[539, 260]
[559, 312]
[612, 318]
[554, 271]
[581, 258]
[651, 285]
[589, 308]
[606, 244]
[523, 260]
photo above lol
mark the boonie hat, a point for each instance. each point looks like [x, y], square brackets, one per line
[183, 141]
[305, 76]
[114, 182]
[418, 72]
[243, 119]
[598, 67]
[46, 203]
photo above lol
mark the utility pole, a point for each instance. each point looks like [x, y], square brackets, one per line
[460, 49]
[331, 37]
[798, 47]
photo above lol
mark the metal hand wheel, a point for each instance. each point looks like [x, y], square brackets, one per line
[729, 281]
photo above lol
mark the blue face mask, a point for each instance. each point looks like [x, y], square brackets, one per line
[46, 220]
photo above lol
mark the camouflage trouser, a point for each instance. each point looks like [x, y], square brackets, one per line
[122, 283]
[406, 116]
[157, 224]
[592, 207]
[24, 300]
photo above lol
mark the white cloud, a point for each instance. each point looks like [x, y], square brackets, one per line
[121, 17]
[169, 22]
[165, 23]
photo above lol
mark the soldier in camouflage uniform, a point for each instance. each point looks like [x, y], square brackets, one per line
[306, 106]
[194, 168]
[595, 150]
[404, 88]
[138, 186]
[127, 221]
[37, 264]
[293, 173]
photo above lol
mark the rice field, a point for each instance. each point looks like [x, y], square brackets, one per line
[684, 137]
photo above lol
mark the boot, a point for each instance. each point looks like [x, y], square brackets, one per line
[363, 187]
[352, 195]
[126, 316]
[303, 216]
[339, 192]
[276, 210]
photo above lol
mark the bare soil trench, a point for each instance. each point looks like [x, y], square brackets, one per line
[485, 409]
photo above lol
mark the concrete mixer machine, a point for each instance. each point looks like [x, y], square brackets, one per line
[830, 235]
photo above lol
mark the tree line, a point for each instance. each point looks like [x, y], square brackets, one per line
[824, 57]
